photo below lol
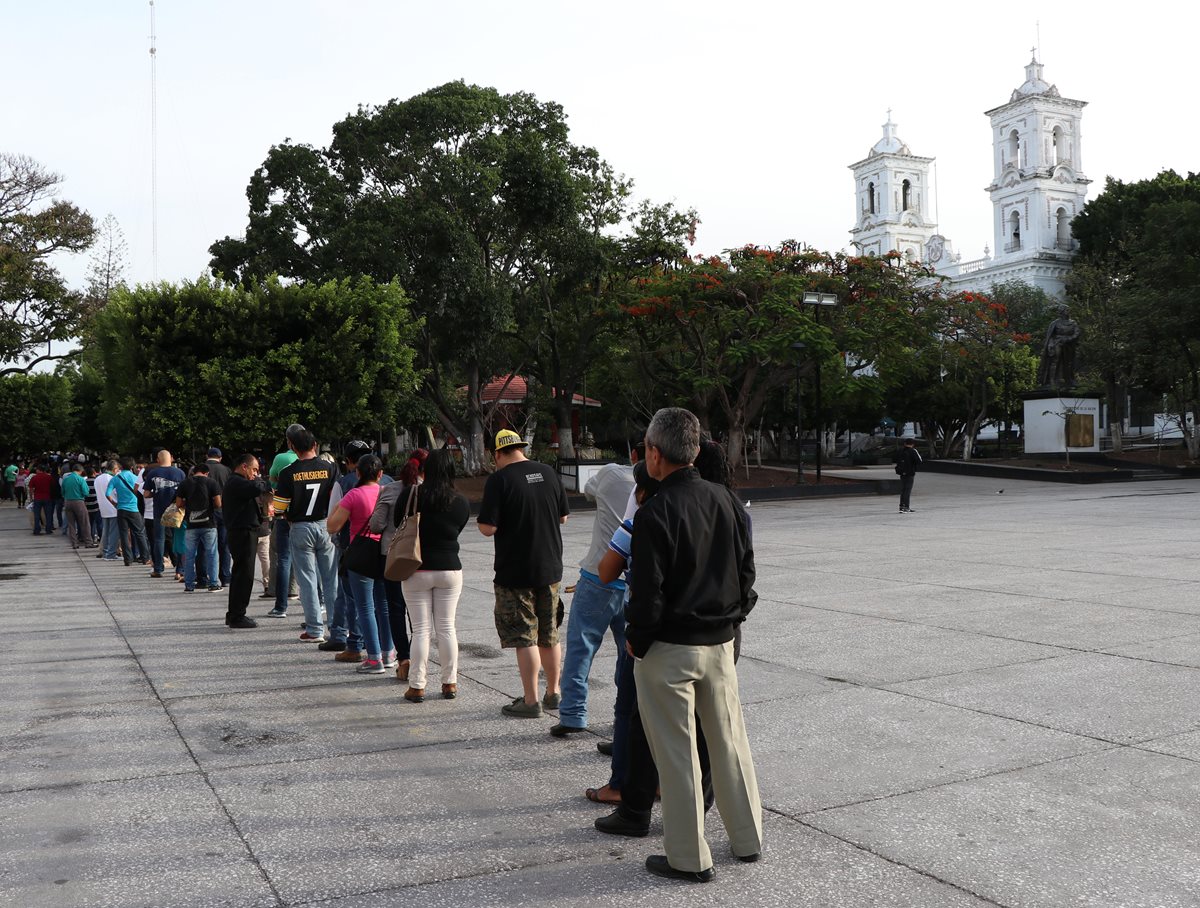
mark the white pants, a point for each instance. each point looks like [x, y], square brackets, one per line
[432, 600]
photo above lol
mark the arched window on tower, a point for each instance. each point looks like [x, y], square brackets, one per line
[1014, 148]
[871, 197]
[1014, 232]
[1059, 140]
[905, 195]
[1063, 237]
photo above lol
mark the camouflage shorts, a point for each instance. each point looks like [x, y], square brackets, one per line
[528, 617]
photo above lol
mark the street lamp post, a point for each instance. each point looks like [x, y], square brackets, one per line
[799, 348]
[820, 300]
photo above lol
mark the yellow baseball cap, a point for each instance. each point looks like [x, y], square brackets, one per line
[507, 438]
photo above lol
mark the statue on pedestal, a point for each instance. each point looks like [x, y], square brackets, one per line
[1057, 368]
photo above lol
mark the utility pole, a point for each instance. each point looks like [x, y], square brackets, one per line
[153, 146]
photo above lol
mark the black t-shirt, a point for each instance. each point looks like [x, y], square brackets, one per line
[163, 483]
[441, 525]
[198, 492]
[525, 503]
[303, 489]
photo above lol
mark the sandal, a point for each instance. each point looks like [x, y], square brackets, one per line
[605, 795]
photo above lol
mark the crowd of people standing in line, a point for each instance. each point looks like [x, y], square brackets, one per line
[669, 573]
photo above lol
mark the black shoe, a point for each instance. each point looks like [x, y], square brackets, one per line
[242, 622]
[332, 646]
[605, 747]
[749, 858]
[561, 731]
[615, 824]
[266, 595]
[657, 864]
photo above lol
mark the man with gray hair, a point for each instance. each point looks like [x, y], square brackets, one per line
[691, 584]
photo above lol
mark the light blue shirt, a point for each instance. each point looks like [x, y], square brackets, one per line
[124, 484]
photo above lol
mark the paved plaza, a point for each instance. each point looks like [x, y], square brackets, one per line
[992, 701]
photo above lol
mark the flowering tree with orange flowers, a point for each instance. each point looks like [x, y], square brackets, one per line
[716, 334]
[976, 363]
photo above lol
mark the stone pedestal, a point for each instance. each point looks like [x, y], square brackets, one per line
[1053, 419]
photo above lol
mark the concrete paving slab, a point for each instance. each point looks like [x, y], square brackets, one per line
[859, 744]
[1116, 828]
[65, 644]
[1109, 697]
[367, 715]
[38, 688]
[1071, 624]
[137, 844]
[800, 868]
[889, 652]
[1180, 650]
[66, 745]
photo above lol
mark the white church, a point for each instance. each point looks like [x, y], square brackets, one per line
[1037, 189]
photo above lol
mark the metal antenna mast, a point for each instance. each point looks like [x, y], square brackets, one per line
[153, 145]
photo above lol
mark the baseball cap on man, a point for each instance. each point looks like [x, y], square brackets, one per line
[214, 452]
[507, 438]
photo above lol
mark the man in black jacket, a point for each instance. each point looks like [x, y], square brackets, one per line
[907, 460]
[692, 578]
[242, 519]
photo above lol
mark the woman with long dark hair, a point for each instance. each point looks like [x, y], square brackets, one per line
[366, 590]
[384, 521]
[432, 592]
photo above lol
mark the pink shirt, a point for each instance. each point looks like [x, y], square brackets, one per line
[360, 502]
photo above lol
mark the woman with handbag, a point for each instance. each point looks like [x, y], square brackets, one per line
[432, 591]
[362, 559]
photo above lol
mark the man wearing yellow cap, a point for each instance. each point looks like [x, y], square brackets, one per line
[523, 507]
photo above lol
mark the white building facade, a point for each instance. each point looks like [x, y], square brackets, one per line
[1038, 187]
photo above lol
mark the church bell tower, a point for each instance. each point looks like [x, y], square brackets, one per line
[894, 197]
[1038, 187]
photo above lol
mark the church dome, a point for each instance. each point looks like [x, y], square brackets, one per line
[890, 143]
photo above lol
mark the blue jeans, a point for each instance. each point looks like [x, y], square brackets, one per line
[43, 512]
[371, 605]
[622, 715]
[343, 626]
[594, 611]
[315, 564]
[283, 562]
[59, 504]
[109, 537]
[198, 537]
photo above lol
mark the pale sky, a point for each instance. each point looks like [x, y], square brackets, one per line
[751, 113]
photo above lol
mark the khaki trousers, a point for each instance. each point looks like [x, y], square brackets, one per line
[79, 528]
[674, 683]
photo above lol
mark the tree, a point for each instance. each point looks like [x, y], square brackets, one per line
[106, 270]
[37, 412]
[1140, 245]
[453, 193]
[36, 306]
[203, 363]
